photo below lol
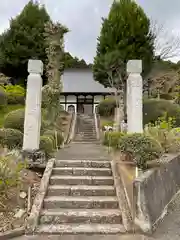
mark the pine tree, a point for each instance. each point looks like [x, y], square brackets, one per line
[125, 35]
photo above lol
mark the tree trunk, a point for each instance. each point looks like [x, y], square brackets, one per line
[121, 108]
[117, 119]
[116, 113]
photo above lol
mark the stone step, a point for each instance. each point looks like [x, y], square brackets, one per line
[60, 216]
[81, 156]
[92, 136]
[86, 129]
[87, 135]
[81, 180]
[83, 132]
[84, 140]
[77, 171]
[89, 139]
[87, 202]
[62, 229]
[83, 163]
[81, 190]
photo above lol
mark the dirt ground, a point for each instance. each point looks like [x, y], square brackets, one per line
[17, 199]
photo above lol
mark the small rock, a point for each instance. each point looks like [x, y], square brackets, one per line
[39, 175]
[20, 213]
[36, 185]
[23, 195]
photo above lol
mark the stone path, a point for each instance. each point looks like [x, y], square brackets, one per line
[94, 237]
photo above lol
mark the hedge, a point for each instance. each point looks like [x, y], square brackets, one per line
[112, 139]
[155, 108]
[57, 137]
[15, 94]
[15, 120]
[46, 145]
[141, 148]
[11, 138]
[107, 107]
[3, 98]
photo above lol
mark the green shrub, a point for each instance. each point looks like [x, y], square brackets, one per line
[107, 123]
[46, 145]
[176, 131]
[107, 107]
[3, 98]
[15, 120]
[57, 137]
[11, 138]
[154, 108]
[15, 94]
[166, 96]
[10, 173]
[112, 139]
[167, 136]
[142, 148]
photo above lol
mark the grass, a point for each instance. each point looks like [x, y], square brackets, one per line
[6, 110]
[106, 121]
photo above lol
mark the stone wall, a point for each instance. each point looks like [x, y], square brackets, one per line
[153, 191]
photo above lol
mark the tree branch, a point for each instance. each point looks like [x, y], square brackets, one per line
[167, 44]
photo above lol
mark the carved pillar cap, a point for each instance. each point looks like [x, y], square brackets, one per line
[35, 66]
[134, 66]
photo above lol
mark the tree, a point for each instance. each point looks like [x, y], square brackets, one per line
[74, 62]
[125, 35]
[54, 38]
[166, 43]
[163, 79]
[23, 40]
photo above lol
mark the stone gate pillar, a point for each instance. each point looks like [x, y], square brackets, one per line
[134, 97]
[32, 122]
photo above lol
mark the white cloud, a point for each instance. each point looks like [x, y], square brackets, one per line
[83, 18]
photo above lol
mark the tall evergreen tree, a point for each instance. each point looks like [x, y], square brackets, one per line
[125, 35]
[23, 40]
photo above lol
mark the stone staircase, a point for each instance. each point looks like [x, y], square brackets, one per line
[85, 130]
[81, 197]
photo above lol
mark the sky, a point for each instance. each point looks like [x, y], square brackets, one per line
[83, 18]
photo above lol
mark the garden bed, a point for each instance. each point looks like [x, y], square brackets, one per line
[14, 207]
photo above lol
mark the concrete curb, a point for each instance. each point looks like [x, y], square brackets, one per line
[123, 202]
[32, 221]
[12, 233]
